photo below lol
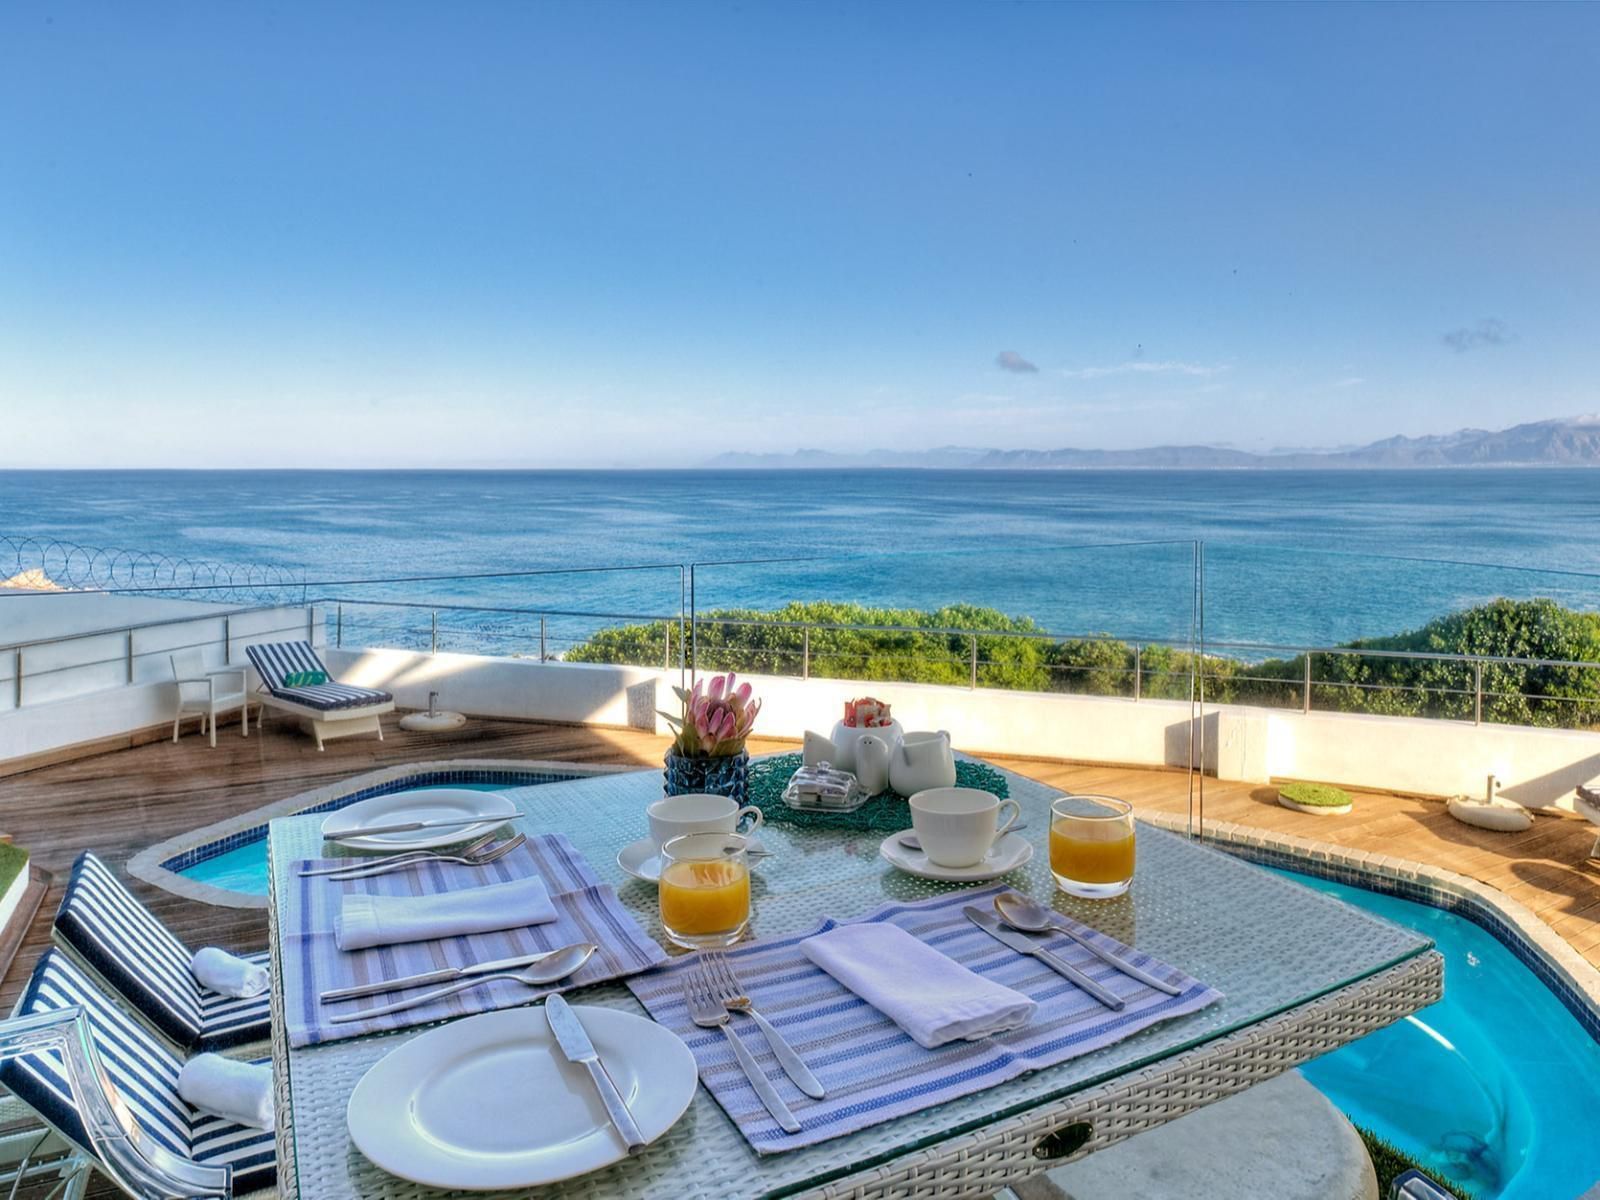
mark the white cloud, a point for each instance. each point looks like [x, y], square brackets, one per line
[1139, 367]
[1352, 381]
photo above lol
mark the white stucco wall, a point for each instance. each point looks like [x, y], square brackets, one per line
[515, 688]
[76, 690]
[1535, 766]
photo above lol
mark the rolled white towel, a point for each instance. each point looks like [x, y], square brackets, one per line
[237, 1091]
[228, 973]
[365, 920]
[928, 994]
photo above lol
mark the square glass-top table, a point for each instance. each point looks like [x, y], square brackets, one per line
[1301, 974]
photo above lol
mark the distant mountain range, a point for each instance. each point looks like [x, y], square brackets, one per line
[1564, 442]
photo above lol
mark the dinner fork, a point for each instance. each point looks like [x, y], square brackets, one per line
[352, 864]
[467, 860]
[731, 993]
[707, 1012]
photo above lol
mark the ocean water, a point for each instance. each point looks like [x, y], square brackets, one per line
[1290, 558]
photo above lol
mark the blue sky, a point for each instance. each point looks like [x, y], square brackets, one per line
[541, 234]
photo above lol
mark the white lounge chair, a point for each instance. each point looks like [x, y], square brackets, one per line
[199, 696]
[330, 709]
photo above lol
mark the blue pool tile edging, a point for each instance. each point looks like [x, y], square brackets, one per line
[186, 859]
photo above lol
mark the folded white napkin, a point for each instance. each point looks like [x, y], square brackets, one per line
[228, 973]
[929, 995]
[384, 920]
[239, 1091]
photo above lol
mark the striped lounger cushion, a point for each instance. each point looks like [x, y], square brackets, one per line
[142, 1070]
[276, 661]
[136, 954]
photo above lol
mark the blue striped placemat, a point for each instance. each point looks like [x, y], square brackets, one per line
[871, 1070]
[587, 911]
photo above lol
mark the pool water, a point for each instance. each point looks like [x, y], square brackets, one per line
[244, 868]
[1496, 1086]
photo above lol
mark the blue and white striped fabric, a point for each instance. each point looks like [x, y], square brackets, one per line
[874, 1072]
[140, 957]
[143, 1072]
[586, 911]
[276, 661]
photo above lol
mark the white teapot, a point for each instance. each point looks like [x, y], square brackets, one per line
[845, 738]
[922, 760]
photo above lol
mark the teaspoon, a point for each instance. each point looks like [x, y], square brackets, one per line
[1021, 913]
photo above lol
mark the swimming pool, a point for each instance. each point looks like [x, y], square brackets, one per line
[1496, 1086]
[238, 861]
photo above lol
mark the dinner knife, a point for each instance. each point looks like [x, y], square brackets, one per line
[1023, 944]
[443, 975]
[575, 1044]
[334, 835]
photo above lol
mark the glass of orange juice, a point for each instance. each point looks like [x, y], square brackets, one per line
[1091, 845]
[705, 889]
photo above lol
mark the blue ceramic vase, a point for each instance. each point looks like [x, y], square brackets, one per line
[726, 776]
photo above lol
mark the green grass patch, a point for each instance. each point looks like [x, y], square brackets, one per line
[13, 859]
[1315, 795]
[1389, 1161]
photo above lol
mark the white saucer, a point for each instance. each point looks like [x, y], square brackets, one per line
[642, 860]
[1009, 853]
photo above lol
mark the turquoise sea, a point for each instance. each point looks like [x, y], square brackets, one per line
[1291, 557]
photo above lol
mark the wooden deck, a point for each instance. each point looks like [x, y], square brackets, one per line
[119, 803]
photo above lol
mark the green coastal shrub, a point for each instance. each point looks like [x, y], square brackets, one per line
[771, 642]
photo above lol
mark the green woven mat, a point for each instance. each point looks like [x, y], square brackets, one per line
[886, 811]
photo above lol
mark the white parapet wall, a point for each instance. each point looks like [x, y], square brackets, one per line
[78, 689]
[514, 688]
[1535, 766]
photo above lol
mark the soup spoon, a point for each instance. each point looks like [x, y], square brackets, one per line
[558, 965]
[1021, 913]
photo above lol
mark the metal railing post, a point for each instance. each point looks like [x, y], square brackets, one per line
[805, 654]
[17, 678]
[1305, 704]
[543, 657]
[338, 627]
[434, 631]
[694, 628]
[311, 625]
[973, 641]
[1138, 672]
[227, 641]
[1477, 692]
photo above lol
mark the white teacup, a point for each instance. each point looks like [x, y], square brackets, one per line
[697, 812]
[958, 826]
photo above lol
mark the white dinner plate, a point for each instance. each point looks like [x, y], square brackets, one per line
[1009, 853]
[490, 1102]
[642, 860]
[421, 804]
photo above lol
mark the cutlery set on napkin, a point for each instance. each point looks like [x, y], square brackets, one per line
[910, 1006]
[482, 928]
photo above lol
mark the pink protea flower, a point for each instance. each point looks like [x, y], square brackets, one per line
[717, 717]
